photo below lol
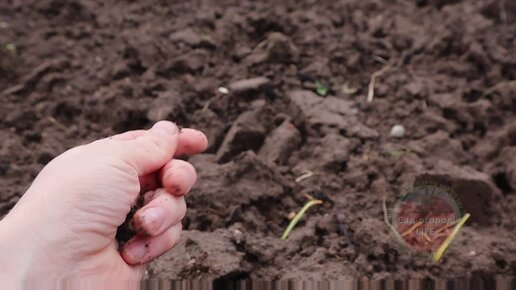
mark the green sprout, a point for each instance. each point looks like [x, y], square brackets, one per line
[298, 216]
[399, 152]
[321, 89]
[439, 253]
[10, 47]
[498, 86]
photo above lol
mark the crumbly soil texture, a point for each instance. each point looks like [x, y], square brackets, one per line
[280, 88]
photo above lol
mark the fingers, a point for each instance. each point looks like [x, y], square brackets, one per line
[129, 135]
[191, 141]
[159, 227]
[142, 249]
[161, 212]
[150, 151]
[178, 177]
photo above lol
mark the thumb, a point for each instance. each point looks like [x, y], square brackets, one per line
[152, 150]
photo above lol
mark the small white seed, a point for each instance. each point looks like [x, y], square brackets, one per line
[238, 236]
[223, 90]
[397, 131]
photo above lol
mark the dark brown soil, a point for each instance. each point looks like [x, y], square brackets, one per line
[71, 72]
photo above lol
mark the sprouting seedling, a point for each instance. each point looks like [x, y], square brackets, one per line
[439, 253]
[399, 152]
[10, 47]
[497, 87]
[321, 89]
[298, 217]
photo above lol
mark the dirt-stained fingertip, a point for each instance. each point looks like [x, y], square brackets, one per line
[192, 141]
[142, 249]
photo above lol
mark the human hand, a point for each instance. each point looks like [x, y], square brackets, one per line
[64, 226]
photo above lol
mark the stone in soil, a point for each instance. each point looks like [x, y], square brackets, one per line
[397, 131]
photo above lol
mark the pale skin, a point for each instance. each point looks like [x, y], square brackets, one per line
[61, 234]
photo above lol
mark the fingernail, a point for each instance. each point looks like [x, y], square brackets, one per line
[136, 250]
[151, 220]
[165, 128]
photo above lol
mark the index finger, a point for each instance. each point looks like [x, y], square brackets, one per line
[191, 141]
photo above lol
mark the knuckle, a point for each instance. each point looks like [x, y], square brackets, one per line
[157, 147]
[154, 145]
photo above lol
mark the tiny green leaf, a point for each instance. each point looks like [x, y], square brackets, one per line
[397, 153]
[321, 89]
[10, 47]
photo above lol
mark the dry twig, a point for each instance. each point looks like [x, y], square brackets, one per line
[307, 174]
[372, 81]
[497, 87]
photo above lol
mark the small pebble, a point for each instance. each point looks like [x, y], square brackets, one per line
[238, 237]
[397, 131]
[237, 234]
[223, 90]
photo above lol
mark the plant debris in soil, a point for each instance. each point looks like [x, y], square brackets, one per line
[89, 69]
